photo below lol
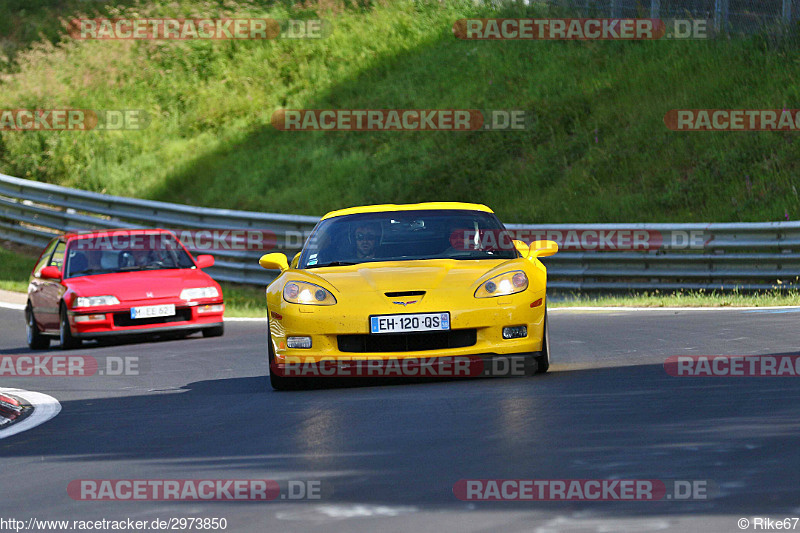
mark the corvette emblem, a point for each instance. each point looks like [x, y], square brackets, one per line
[405, 303]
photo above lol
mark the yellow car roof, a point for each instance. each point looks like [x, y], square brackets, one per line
[407, 207]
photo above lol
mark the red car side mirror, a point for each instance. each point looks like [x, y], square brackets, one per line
[204, 261]
[50, 272]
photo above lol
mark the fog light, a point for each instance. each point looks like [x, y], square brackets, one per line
[298, 342]
[217, 308]
[89, 318]
[515, 332]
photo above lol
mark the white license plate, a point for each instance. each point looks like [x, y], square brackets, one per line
[151, 311]
[408, 323]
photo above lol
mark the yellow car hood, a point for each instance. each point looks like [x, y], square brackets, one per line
[410, 275]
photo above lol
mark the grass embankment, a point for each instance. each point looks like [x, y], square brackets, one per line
[598, 150]
[698, 298]
[247, 301]
[14, 270]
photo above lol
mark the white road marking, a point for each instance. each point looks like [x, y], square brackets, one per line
[15, 307]
[44, 408]
[324, 513]
[563, 524]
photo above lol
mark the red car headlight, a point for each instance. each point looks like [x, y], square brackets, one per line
[94, 301]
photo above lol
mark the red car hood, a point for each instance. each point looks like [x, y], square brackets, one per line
[136, 285]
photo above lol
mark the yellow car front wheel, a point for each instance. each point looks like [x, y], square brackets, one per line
[543, 359]
[277, 381]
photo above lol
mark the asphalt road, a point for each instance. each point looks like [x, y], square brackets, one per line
[388, 456]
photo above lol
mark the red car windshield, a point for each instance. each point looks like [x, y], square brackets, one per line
[124, 253]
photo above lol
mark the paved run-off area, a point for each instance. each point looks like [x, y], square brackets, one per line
[388, 456]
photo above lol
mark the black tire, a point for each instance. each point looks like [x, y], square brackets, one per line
[68, 342]
[36, 341]
[216, 331]
[277, 382]
[543, 359]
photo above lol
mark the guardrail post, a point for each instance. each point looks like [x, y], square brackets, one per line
[655, 9]
[721, 15]
[787, 11]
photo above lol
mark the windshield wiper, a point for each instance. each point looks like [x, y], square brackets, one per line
[92, 271]
[100, 270]
[158, 267]
[332, 264]
[144, 267]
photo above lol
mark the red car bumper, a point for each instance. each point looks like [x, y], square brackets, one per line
[94, 322]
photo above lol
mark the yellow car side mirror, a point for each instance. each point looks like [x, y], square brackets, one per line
[521, 247]
[274, 261]
[542, 249]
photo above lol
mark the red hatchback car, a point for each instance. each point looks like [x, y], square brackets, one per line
[118, 282]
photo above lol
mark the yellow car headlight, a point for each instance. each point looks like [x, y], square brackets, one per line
[502, 285]
[300, 292]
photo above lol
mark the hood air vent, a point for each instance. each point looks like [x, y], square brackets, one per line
[404, 293]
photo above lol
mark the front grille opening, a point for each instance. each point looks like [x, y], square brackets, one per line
[124, 319]
[408, 342]
[404, 293]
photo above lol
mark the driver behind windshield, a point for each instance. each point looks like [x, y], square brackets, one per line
[142, 257]
[134, 258]
[366, 239]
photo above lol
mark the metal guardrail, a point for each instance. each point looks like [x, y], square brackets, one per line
[746, 16]
[32, 213]
[716, 256]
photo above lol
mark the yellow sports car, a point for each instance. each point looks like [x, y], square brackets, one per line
[406, 285]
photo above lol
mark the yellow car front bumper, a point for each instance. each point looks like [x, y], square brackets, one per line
[342, 332]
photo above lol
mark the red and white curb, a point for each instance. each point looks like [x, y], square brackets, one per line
[44, 408]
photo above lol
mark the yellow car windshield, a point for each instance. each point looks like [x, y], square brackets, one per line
[406, 236]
